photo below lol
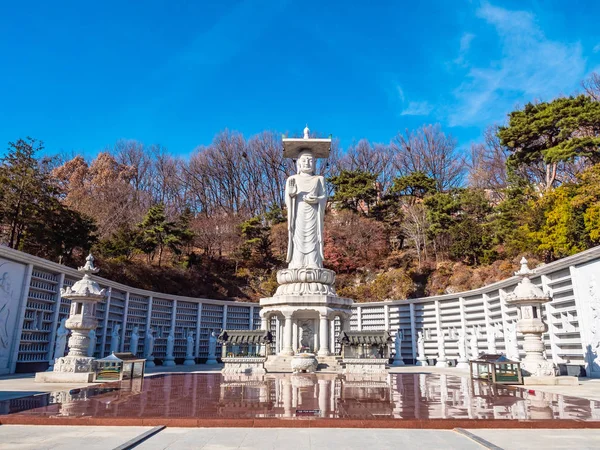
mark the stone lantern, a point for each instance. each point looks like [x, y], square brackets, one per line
[84, 295]
[529, 299]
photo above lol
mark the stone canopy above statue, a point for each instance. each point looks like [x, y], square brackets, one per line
[320, 148]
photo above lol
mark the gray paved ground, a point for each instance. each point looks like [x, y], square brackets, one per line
[29, 437]
[315, 438]
[541, 439]
[44, 437]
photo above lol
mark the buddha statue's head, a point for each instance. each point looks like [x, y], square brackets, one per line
[305, 162]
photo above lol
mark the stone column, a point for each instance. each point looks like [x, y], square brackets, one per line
[277, 335]
[263, 326]
[287, 336]
[323, 336]
[324, 397]
[295, 343]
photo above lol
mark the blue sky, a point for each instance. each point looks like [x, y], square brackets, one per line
[80, 75]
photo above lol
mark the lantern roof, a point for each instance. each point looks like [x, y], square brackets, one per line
[526, 291]
[86, 288]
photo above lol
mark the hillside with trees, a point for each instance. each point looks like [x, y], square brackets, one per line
[409, 218]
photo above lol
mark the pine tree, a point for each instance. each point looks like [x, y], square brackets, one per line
[552, 132]
[158, 233]
[22, 183]
[355, 190]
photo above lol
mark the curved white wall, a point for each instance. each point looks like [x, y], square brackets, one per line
[31, 308]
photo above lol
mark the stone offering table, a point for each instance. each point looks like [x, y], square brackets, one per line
[304, 362]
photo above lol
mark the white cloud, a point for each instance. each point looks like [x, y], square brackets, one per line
[417, 109]
[400, 92]
[530, 67]
[465, 45]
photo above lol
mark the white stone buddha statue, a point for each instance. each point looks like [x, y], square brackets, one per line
[305, 198]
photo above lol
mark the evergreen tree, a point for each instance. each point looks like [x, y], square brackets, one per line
[121, 244]
[355, 190]
[257, 241]
[551, 132]
[587, 198]
[158, 233]
[23, 183]
[413, 187]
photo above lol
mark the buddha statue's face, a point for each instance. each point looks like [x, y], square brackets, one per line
[306, 163]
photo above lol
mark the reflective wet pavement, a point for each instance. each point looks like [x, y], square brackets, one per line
[393, 397]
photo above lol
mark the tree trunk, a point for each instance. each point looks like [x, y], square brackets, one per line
[550, 175]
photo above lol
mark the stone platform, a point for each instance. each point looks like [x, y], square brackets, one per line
[550, 381]
[64, 377]
[68, 369]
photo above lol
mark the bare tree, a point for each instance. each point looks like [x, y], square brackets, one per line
[432, 152]
[591, 86]
[487, 165]
[134, 154]
[414, 227]
[372, 158]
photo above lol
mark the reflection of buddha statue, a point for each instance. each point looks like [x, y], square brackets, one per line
[305, 198]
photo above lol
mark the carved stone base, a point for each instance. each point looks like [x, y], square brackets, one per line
[305, 282]
[189, 361]
[244, 365]
[68, 369]
[73, 364]
[365, 365]
[211, 360]
[64, 377]
[462, 363]
[538, 368]
[441, 362]
[169, 361]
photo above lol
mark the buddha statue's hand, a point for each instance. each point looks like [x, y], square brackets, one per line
[311, 199]
[293, 189]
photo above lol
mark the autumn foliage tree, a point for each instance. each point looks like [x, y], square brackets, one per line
[32, 217]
